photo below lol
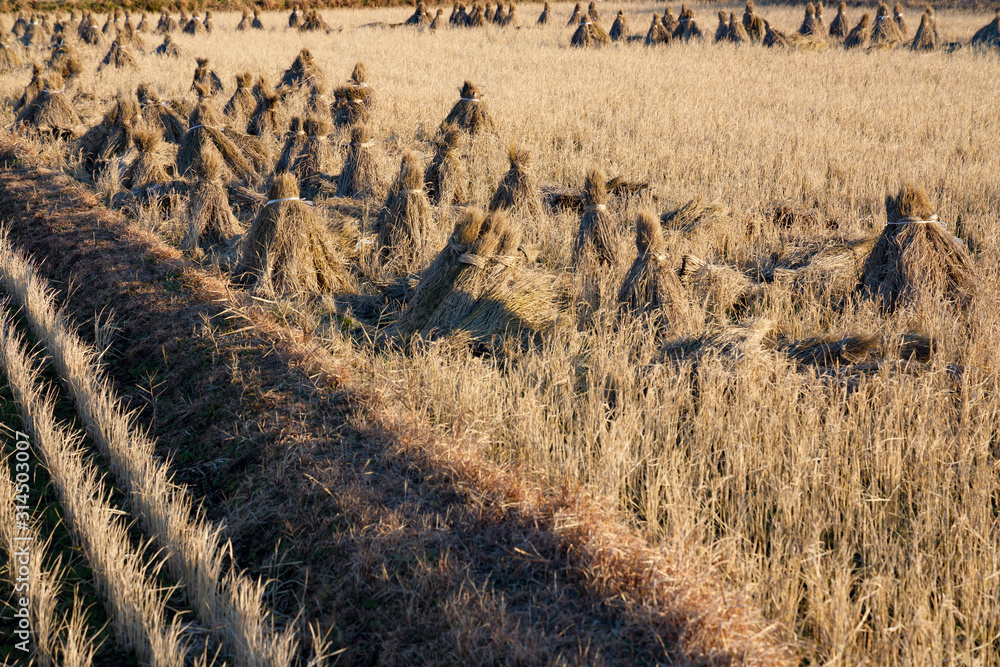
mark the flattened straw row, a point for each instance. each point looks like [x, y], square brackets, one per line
[190, 545]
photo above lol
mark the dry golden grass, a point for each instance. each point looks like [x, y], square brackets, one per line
[858, 513]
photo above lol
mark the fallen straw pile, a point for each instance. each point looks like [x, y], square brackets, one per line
[405, 222]
[211, 218]
[651, 287]
[288, 249]
[596, 237]
[360, 176]
[470, 113]
[446, 177]
[915, 260]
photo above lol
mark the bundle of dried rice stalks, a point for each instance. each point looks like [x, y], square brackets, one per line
[722, 30]
[810, 24]
[619, 29]
[885, 32]
[518, 191]
[303, 72]
[720, 288]
[670, 22]
[988, 36]
[830, 350]
[158, 114]
[315, 163]
[118, 56]
[543, 18]
[477, 19]
[256, 24]
[470, 113]
[915, 258]
[269, 117]
[900, 20]
[152, 165]
[657, 34]
[168, 48]
[696, 227]
[839, 28]
[831, 268]
[289, 250]
[405, 222]
[295, 18]
[64, 62]
[774, 38]
[359, 177]
[194, 26]
[205, 78]
[589, 33]
[32, 89]
[10, 59]
[510, 18]
[295, 139]
[651, 286]
[111, 137]
[420, 16]
[446, 177]
[753, 23]
[205, 133]
[926, 37]
[314, 22]
[166, 24]
[130, 37]
[596, 236]
[244, 23]
[592, 12]
[242, 103]
[211, 218]
[687, 26]
[749, 338]
[438, 21]
[351, 106]
[737, 34]
[50, 111]
[576, 16]
[860, 35]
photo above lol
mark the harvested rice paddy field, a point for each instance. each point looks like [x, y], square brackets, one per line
[493, 350]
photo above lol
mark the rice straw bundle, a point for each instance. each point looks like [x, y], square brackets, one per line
[269, 117]
[722, 289]
[295, 139]
[619, 29]
[753, 23]
[597, 233]
[129, 37]
[9, 58]
[244, 23]
[810, 24]
[491, 16]
[314, 22]
[510, 18]
[926, 37]
[256, 24]
[989, 35]
[518, 191]
[900, 20]
[303, 72]
[168, 48]
[446, 177]
[50, 110]
[419, 16]
[860, 35]
[774, 38]
[575, 17]
[32, 89]
[205, 77]
[118, 56]
[737, 34]
[359, 177]
[687, 28]
[350, 106]
[543, 18]
[194, 26]
[651, 286]
[111, 137]
[288, 249]
[698, 227]
[592, 12]
[477, 19]
[832, 268]
[211, 218]
[436, 280]
[915, 259]
[166, 24]
[151, 165]
[470, 113]
[722, 31]
[438, 21]
[589, 33]
[143, 25]
[295, 18]
[839, 28]
[205, 133]
[405, 222]
[242, 103]
[657, 34]
[885, 32]
[315, 164]
[64, 62]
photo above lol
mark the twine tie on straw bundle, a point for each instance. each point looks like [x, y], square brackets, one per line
[469, 99]
[54, 92]
[659, 259]
[474, 260]
[508, 261]
[366, 144]
[416, 191]
[597, 207]
[457, 248]
[920, 221]
[278, 201]
[368, 240]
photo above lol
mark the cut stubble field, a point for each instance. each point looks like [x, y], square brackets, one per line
[858, 513]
